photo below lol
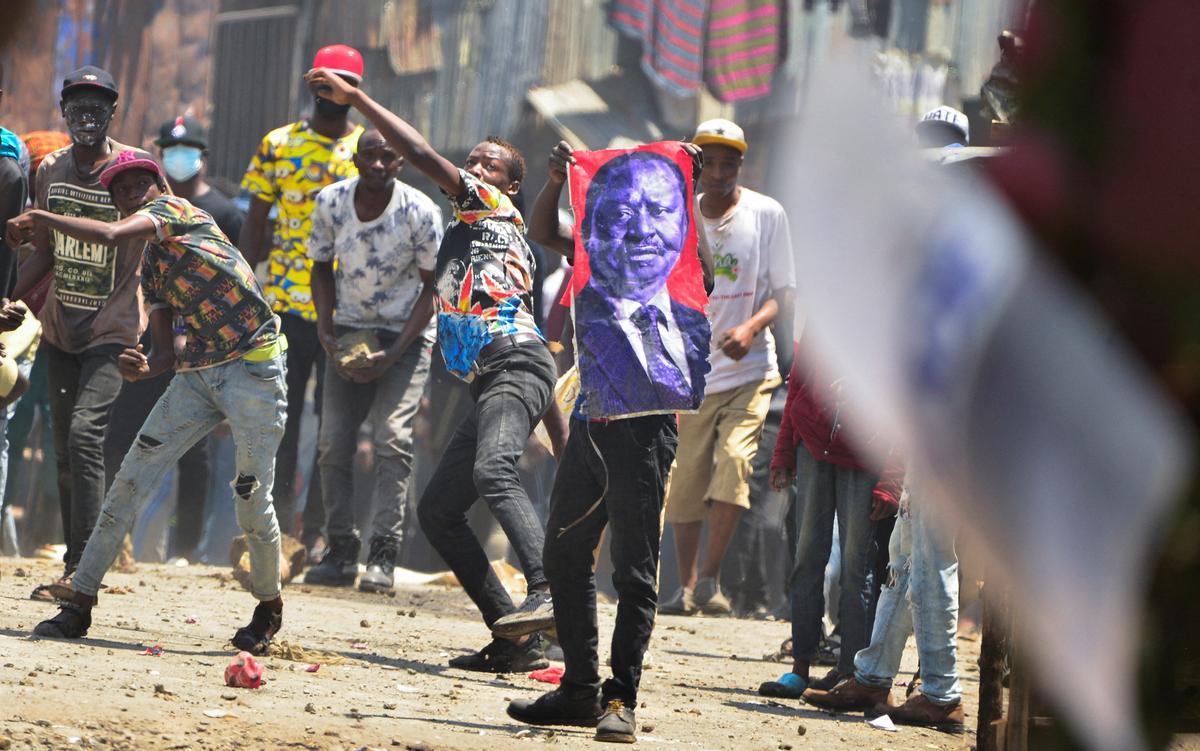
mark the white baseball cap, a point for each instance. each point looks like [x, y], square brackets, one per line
[719, 130]
[950, 117]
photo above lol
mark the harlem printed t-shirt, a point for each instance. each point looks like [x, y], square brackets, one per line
[194, 270]
[379, 263]
[292, 165]
[484, 276]
[95, 298]
[752, 259]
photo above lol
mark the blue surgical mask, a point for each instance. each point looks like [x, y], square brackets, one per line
[182, 162]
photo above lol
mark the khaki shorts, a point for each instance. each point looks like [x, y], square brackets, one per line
[716, 448]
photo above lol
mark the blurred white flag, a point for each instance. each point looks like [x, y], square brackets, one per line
[1019, 410]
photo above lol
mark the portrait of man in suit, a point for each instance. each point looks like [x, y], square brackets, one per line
[640, 351]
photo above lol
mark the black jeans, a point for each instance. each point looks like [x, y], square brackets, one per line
[303, 355]
[83, 388]
[480, 461]
[129, 413]
[624, 465]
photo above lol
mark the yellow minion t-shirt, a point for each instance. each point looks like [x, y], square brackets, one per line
[289, 170]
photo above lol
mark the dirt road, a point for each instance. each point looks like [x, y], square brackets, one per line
[392, 689]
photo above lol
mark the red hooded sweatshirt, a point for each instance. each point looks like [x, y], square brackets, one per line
[807, 421]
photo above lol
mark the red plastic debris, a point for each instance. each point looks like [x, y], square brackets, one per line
[548, 675]
[358, 645]
[155, 651]
[244, 672]
[313, 667]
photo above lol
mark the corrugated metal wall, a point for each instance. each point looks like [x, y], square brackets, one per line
[253, 81]
[491, 53]
[579, 42]
[238, 62]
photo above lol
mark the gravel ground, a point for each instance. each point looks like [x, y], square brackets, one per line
[392, 688]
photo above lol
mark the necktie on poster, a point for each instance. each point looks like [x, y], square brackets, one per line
[635, 252]
[667, 377]
[1020, 411]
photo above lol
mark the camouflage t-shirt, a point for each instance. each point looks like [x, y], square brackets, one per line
[95, 298]
[290, 168]
[195, 270]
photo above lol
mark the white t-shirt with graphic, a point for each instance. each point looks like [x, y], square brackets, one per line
[752, 258]
[379, 262]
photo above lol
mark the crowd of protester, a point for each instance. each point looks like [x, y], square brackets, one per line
[137, 328]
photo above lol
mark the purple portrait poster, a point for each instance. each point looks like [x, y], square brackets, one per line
[641, 334]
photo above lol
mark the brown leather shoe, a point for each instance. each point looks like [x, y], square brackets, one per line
[919, 710]
[849, 695]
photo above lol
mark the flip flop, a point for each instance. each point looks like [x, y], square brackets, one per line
[63, 589]
[41, 593]
[789, 686]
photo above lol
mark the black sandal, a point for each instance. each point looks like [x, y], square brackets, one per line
[255, 638]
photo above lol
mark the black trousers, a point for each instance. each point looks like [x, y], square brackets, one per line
[303, 355]
[481, 463]
[83, 387]
[623, 465]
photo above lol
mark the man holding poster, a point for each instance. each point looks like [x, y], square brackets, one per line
[640, 286]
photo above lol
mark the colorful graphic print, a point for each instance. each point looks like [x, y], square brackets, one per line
[484, 276]
[290, 168]
[726, 265]
[197, 272]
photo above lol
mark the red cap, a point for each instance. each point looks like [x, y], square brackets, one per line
[128, 160]
[341, 59]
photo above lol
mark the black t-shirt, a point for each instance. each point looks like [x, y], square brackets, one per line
[13, 194]
[223, 211]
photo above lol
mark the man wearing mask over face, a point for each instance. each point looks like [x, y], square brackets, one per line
[184, 147]
[290, 168]
[94, 307]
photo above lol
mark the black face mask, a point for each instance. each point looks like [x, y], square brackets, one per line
[331, 110]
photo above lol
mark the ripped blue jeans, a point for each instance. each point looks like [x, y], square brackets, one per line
[920, 598]
[253, 397]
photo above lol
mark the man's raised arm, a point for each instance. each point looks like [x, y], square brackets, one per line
[400, 135]
[544, 227]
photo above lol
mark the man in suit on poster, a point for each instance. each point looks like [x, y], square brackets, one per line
[639, 349]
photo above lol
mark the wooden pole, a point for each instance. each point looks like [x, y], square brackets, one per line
[992, 649]
[1016, 731]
